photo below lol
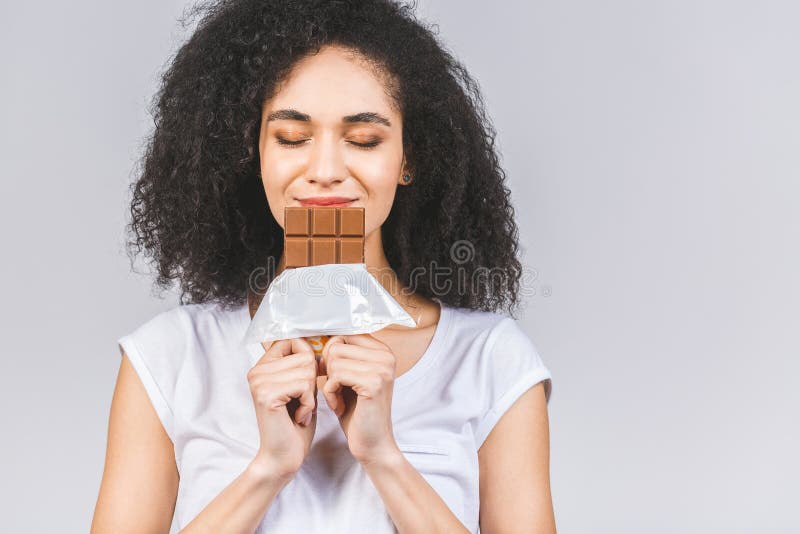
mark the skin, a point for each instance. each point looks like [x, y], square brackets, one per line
[140, 478]
[328, 162]
[328, 157]
[514, 485]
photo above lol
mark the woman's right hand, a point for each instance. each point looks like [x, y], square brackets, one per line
[286, 371]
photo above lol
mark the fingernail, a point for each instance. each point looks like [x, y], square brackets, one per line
[306, 420]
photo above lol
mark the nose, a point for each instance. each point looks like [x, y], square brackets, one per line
[326, 165]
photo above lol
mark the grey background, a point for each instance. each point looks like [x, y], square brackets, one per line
[653, 152]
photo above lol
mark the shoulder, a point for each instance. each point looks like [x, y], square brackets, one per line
[159, 329]
[165, 345]
[498, 360]
[164, 321]
[495, 346]
[474, 323]
[168, 326]
[490, 332]
[178, 328]
[185, 316]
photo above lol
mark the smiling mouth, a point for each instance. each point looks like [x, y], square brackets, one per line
[326, 201]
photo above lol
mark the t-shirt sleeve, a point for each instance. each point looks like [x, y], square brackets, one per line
[510, 367]
[156, 350]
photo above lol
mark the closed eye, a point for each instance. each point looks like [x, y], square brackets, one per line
[282, 141]
[371, 144]
[288, 143]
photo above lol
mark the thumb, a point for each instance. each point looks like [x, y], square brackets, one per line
[308, 400]
[323, 366]
[300, 344]
[274, 350]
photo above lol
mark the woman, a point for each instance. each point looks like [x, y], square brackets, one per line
[438, 428]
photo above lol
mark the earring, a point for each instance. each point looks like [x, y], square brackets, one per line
[406, 178]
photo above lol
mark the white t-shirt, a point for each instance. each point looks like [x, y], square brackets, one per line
[194, 369]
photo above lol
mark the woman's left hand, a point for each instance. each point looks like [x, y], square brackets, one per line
[361, 373]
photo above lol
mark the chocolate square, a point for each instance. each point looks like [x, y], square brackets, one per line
[321, 235]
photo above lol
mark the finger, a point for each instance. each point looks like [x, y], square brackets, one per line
[355, 352]
[288, 375]
[272, 396]
[308, 402]
[300, 344]
[385, 360]
[267, 345]
[300, 348]
[289, 379]
[340, 365]
[275, 350]
[362, 377]
[287, 362]
[332, 391]
[365, 340]
[334, 340]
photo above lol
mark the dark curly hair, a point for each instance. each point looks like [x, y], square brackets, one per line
[199, 209]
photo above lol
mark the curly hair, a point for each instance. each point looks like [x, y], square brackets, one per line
[198, 206]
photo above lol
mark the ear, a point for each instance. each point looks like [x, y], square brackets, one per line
[405, 170]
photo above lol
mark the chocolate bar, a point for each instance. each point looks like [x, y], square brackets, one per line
[319, 235]
[316, 236]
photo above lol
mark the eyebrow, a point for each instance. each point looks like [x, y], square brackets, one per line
[294, 115]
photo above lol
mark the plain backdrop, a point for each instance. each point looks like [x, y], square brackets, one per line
[653, 152]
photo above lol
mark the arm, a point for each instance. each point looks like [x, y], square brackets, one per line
[514, 470]
[287, 370]
[140, 477]
[242, 504]
[367, 366]
[140, 480]
[412, 503]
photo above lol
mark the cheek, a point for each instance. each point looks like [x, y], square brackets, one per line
[381, 198]
[275, 177]
[276, 205]
[378, 175]
[278, 168]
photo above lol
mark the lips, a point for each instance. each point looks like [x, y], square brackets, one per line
[326, 201]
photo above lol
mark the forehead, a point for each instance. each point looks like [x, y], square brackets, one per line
[333, 83]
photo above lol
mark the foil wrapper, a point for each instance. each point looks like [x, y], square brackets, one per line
[321, 301]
